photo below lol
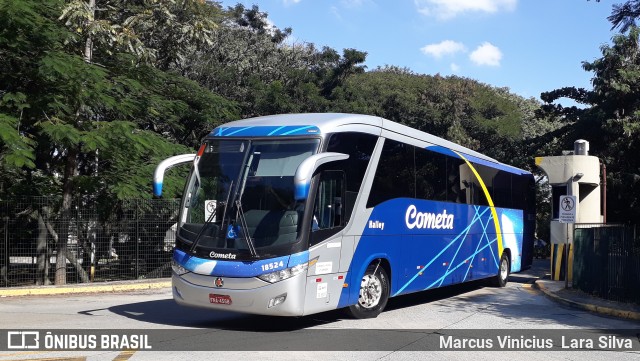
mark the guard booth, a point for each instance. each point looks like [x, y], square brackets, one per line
[575, 173]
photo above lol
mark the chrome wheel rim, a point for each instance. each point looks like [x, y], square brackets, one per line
[504, 269]
[370, 291]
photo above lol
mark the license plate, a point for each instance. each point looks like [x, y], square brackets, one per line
[219, 299]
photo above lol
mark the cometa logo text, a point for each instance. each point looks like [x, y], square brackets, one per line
[415, 219]
[222, 255]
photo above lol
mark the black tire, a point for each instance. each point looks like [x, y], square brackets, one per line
[373, 294]
[502, 277]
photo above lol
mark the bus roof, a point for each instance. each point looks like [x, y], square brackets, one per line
[325, 123]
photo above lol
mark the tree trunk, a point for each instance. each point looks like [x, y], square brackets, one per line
[42, 265]
[65, 212]
[61, 253]
[4, 270]
[84, 277]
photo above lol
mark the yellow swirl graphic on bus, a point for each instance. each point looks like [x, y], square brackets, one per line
[496, 221]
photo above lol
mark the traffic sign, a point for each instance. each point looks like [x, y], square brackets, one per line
[209, 209]
[567, 211]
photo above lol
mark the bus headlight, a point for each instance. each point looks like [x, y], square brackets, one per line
[283, 274]
[177, 268]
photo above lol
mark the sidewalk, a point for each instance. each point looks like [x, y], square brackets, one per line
[98, 287]
[579, 299]
[576, 298]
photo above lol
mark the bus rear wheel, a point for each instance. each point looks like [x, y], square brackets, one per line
[373, 294]
[503, 271]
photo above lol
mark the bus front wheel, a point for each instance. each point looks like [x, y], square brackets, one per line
[373, 294]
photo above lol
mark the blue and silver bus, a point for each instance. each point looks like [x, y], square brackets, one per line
[296, 214]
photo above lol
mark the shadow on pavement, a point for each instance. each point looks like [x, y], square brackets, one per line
[167, 312]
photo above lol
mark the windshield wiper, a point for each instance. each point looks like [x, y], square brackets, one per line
[238, 203]
[245, 229]
[209, 219]
[224, 211]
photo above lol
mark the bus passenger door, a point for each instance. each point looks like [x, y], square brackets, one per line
[324, 283]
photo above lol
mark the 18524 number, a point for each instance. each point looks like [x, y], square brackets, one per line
[272, 265]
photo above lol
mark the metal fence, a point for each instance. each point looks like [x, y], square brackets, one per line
[40, 246]
[607, 261]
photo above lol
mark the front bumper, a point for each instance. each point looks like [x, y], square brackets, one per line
[256, 299]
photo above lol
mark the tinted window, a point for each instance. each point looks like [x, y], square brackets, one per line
[359, 147]
[328, 216]
[523, 190]
[475, 193]
[556, 192]
[455, 191]
[502, 190]
[431, 175]
[395, 176]
[413, 172]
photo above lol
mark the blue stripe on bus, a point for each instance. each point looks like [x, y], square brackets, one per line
[222, 268]
[441, 279]
[423, 258]
[262, 131]
[499, 166]
[275, 131]
[236, 130]
[301, 130]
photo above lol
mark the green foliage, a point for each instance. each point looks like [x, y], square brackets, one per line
[130, 156]
[624, 15]
[612, 112]
[16, 149]
[97, 127]
[478, 116]
[93, 98]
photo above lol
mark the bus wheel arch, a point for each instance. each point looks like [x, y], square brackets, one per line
[374, 290]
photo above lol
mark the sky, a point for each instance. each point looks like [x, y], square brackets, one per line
[529, 46]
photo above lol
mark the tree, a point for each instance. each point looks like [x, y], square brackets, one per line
[623, 16]
[484, 118]
[68, 91]
[335, 69]
[249, 62]
[93, 93]
[613, 112]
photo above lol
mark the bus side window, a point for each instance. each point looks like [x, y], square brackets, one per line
[396, 174]
[359, 147]
[328, 214]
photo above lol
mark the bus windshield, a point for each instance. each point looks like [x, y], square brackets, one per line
[239, 201]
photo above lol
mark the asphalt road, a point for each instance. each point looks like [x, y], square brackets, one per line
[402, 332]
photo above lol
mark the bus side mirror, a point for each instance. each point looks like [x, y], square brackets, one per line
[304, 173]
[158, 174]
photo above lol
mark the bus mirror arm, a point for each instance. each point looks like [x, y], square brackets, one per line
[304, 173]
[158, 174]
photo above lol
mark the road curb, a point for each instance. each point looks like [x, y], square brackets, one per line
[92, 288]
[609, 311]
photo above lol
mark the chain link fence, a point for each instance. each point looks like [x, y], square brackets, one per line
[41, 245]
